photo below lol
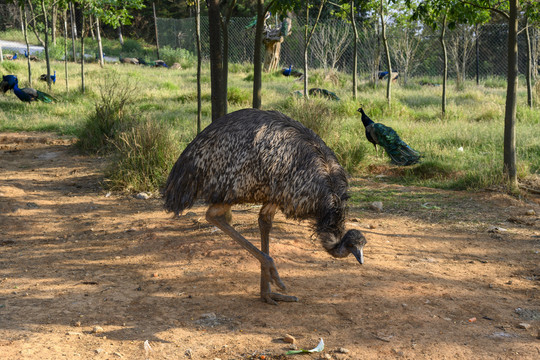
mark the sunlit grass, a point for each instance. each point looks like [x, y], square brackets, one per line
[474, 120]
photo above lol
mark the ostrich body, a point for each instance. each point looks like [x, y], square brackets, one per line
[254, 156]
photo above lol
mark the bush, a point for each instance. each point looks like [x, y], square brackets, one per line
[144, 155]
[132, 47]
[182, 56]
[111, 115]
[313, 113]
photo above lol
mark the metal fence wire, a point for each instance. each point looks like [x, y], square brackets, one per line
[472, 51]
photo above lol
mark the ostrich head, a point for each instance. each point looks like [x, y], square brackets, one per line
[351, 243]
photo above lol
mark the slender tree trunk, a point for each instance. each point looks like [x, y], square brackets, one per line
[199, 63]
[156, 29]
[355, 53]
[388, 60]
[307, 39]
[1, 55]
[66, 50]
[306, 93]
[477, 57]
[91, 25]
[445, 65]
[47, 59]
[218, 93]
[511, 98]
[54, 20]
[257, 59]
[120, 36]
[25, 33]
[73, 30]
[529, 64]
[82, 53]
[225, 28]
[100, 45]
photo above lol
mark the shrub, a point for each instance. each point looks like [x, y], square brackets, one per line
[111, 115]
[314, 113]
[132, 47]
[182, 56]
[237, 96]
[144, 155]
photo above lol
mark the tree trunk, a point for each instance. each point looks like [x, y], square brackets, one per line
[272, 53]
[73, 30]
[156, 29]
[199, 62]
[120, 36]
[477, 57]
[257, 61]
[91, 23]
[65, 50]
[53, 23]
[100, 45]
[387, 52]
[225, 29]
[307, 40]
[445, 65]
[47, 59]
[511, 95]
[355, 53]
[306, 44]
[82, 53]
[529, 63]
[218, 92]
[25, 33]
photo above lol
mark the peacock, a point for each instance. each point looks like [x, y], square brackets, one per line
[10, 57]
[31, 57]
[378, 134]
[265, 157]
[383, 74]
[43, 77]
[291, 72]
[129, 60]
[324, 93]
[10, 82]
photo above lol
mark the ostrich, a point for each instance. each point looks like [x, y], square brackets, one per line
[254, 156]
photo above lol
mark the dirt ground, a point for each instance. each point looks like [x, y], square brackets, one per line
[85, 274]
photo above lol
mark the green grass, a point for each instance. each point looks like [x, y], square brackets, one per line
[474, 118]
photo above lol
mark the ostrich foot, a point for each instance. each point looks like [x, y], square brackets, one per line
[270, 274]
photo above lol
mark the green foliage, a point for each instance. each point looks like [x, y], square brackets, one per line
[132, 47]
[238, 96]
[144, 155]
[110, 117]
[182, 56]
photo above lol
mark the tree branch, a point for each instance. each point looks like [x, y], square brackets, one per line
[500, 12]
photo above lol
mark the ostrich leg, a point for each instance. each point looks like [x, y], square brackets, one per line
[216, 215]
[266, 215]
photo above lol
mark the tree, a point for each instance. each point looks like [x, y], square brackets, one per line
[218, 91]
[308, 34]
[197, 5]
[382, 11]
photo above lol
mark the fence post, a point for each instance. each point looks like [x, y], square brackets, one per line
[1, 55]
[155, 26]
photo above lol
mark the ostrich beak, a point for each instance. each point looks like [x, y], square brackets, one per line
[359, 255]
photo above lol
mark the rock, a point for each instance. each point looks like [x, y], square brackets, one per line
[98, 351]
[143, 196]
[289, 339]
[376, 206]
[372, 226]
[189, 353]
[530, 212]
[176, 66]
[327, 356]
[342, 350]
[118, 354]
[496, 229]
[523, 326]
[97, 330]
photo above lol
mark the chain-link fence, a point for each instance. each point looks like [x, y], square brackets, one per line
[472, 51]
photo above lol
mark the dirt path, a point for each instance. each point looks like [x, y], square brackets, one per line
[88, 275]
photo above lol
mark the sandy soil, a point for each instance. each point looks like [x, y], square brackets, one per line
[90, 275]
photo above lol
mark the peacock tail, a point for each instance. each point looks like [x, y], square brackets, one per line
[46, 98]
[323, 92]
[400, 153]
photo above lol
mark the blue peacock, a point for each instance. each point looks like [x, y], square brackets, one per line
[10, 82]
[43, 77]
[378, 134]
